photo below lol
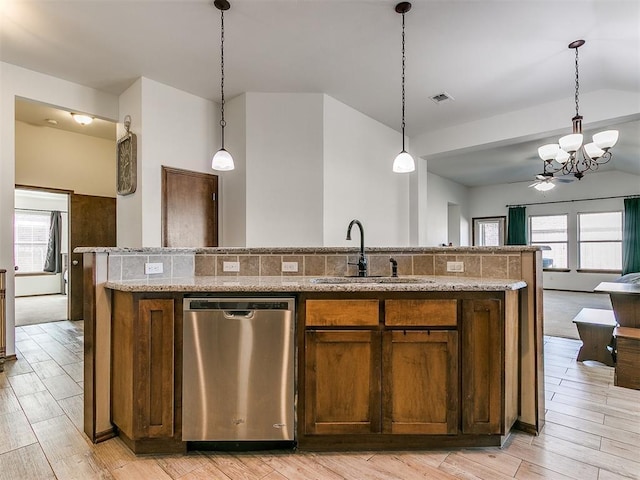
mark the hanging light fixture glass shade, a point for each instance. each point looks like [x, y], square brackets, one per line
[570, 153]
[222, 160]
[404, 162]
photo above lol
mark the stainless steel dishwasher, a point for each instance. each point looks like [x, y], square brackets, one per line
[238, 369]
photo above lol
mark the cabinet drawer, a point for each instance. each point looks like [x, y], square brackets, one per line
[320, 313]
[426, 313]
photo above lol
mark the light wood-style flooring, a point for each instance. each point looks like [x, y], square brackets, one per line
[592, 431]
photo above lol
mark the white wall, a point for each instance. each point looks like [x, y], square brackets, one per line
[492, 201]
[309, 165]
[174, 129]
[358, 180]
[16, 81]
[53, 158]
[129, 207]
[233, 185]
[284, 155]
[442, 192]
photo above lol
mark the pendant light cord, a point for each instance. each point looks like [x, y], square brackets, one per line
[222, 121]
[403, 80]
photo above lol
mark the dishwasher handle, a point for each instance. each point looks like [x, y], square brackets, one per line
[239, 314]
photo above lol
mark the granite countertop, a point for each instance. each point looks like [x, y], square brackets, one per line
[302, 250]
[314, 284]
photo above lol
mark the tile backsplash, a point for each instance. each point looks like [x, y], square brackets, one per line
[498, 263]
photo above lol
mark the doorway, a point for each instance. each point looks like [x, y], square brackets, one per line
[41, 252]
[55, 154]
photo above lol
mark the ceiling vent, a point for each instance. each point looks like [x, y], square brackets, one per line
[441, 97]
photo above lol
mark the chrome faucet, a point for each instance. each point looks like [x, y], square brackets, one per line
[362, 261]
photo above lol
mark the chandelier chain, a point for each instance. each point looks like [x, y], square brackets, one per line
[577, 84]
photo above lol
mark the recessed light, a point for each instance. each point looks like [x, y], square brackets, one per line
[51, 121]
[82, 119]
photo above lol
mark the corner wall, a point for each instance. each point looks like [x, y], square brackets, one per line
[174, 129]
[440, 194]
[359, 181]
[284, 169]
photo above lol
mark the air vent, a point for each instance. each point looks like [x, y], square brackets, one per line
[441, 97]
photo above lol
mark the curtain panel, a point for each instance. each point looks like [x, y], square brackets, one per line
[53, 261]
[517, 226]
[631, 236]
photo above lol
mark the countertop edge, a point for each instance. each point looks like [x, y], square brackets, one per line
[304, 284]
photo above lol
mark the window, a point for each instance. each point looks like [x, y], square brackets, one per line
[31, 239]
[550, 230]
[488, 231]
[600, 241]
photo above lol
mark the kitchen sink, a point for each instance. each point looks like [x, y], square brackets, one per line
[372, 279]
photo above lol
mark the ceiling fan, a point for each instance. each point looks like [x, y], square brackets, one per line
[544, 181]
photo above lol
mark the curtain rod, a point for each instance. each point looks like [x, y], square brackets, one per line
[40, 210]
[569, 201]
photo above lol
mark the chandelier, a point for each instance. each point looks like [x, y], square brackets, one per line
[570, 154]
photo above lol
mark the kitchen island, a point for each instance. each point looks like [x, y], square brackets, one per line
[425, 361]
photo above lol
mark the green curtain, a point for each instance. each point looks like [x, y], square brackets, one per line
[631, 236]
[517, 226]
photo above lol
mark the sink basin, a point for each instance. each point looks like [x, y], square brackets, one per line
[333, 280]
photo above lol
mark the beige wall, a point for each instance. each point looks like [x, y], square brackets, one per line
[53, 158]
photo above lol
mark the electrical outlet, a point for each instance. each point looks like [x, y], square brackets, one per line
[152, 268]
[230, 266]
[289, 266]
[457, 267]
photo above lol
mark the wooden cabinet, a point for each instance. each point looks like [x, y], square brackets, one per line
[380, 366]
[342, 382]
[144, 376]
[408, 370]
[342, 367]
[420, 382]
[489, 365]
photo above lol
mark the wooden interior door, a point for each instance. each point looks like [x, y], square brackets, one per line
[92, 224]
[189, 208]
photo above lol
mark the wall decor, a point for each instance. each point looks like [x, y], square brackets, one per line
[127, 152]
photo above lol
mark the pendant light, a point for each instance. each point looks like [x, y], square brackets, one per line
[222, 160]
[404, 161]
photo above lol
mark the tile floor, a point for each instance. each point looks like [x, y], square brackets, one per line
[592, 431]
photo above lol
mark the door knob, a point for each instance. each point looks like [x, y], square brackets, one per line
[75, 262]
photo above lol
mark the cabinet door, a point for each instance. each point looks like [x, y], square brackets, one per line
[342, 382]
[153, 398]
[420, 382]
[482, 366]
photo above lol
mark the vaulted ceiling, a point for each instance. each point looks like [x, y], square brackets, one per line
[492, 57]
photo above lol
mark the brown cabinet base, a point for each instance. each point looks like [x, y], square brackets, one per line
[145, 446]
[326, 443]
